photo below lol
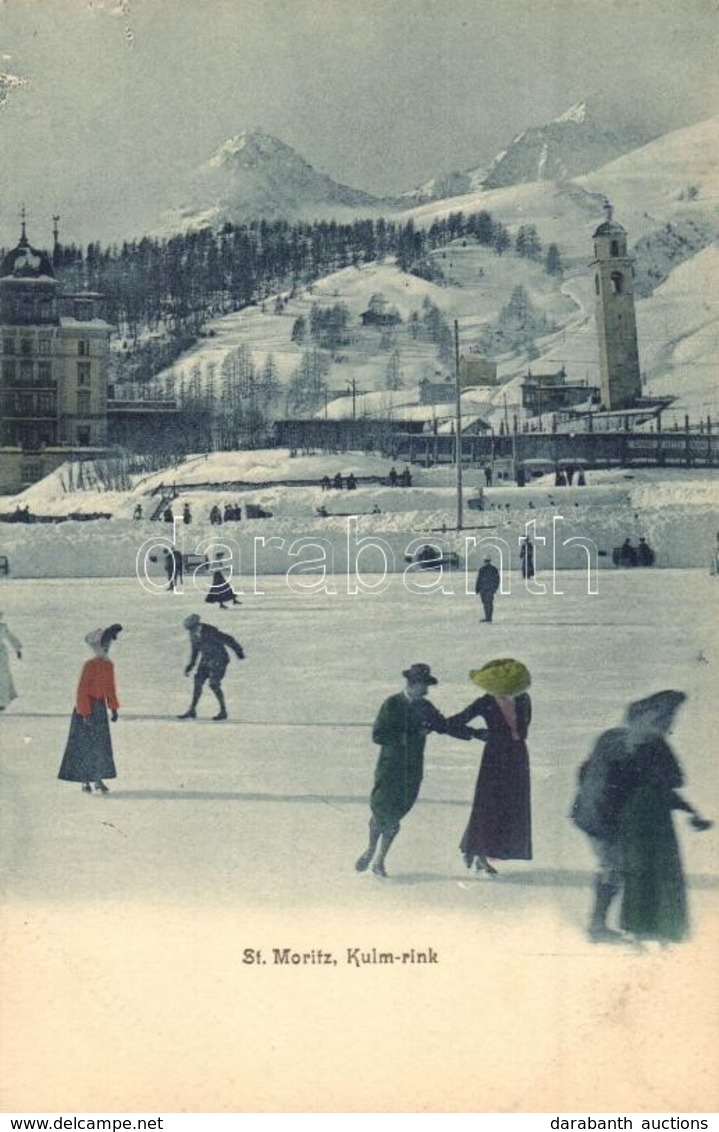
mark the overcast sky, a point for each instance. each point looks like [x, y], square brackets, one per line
[124, 98]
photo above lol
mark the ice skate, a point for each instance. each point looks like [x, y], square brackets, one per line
[602, 934]
[222, 714]
[86, 788]
[101, 787]
[482, 865]
[362, 863]
[189, 714]
[378, 869]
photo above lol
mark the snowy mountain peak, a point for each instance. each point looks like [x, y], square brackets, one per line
[581, 139]
[252, 147]
[576, 113]
[255, 175]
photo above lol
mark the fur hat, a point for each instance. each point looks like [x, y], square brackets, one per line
[419, 674]
[191, 621]
[504, 677]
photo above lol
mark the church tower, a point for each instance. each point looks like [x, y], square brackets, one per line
[616, 322]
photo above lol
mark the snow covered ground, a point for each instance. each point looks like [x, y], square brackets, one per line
[677, 510]
[132, 913]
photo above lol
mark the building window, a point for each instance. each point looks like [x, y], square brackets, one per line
[83, 402]
[83, 436]
[8, 371]
[614, 248]
[83, 348]
[83, 310]
[617, 282]
[27, 373]
[8, 344]
[44, 344]
[26, 347]
[44, 373]
[83, 373]
[596, 283]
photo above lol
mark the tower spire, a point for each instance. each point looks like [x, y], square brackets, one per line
[23, 215]
[608, 209]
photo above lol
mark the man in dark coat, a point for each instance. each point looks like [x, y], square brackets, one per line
[401, 728]
[210, 645]
[486, 586]
[173, 568]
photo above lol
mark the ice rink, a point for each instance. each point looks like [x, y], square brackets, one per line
[127, 918]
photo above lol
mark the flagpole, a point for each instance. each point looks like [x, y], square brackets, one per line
[458, 426]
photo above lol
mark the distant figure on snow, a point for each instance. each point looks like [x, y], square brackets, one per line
[7, 687]
[221, 591]
[167, 515]
[215, 516]
[173, 568]
[486, 585]
[186, 514]
[137, 513]
[392, 477]
[210, 646]
[488, 475]
[526, 558]
[88, 753]
[645, 554]
[401, 728]
[627, 554]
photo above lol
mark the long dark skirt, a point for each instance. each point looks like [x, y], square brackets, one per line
[88, 753]
[654, 904]
[220, 591]
[500, 824]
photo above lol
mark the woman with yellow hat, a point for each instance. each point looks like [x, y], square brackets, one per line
[500, 824]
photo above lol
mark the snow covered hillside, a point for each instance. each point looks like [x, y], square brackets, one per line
[660, 192]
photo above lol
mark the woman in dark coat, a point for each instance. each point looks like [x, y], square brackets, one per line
[500, 824]
[654, 904]
[88, 753]
[221, 591]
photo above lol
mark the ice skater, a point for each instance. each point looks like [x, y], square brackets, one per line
[500, 823]
[221, 591]
[627, 791]
[7, 686]
[401, 728]
[210, 646]
[486, 586]
[88, 754]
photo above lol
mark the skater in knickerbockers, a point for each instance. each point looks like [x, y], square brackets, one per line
[401, 728]
[210, 646]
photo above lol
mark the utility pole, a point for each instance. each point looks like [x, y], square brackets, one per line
[458, 425]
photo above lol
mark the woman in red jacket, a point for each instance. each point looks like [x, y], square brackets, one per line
[88, 754]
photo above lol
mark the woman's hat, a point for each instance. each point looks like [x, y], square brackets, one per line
[109, 635]
[419, 674]
[661, 706]
[504, 677]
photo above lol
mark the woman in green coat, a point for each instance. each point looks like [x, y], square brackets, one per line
[654, 905]
[401, 728]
